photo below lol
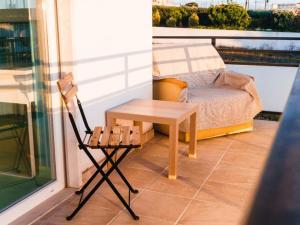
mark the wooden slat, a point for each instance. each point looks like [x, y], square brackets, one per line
[65, 82]
[95, 137]
[115, 136]
[125, 132]
[105, 136]
[71, 94]
[135, 136]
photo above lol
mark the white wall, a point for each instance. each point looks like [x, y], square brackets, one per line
[274, 83]
[112, 55]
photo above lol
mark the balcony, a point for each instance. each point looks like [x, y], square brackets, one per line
[215, 188]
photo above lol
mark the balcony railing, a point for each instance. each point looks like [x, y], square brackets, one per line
[250, 56]
[277, 200]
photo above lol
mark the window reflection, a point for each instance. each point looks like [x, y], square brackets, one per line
[26, 156]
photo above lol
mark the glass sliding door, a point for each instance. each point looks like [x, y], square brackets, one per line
[26, 151]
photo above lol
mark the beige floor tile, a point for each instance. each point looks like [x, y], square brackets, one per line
[156, 150]
[230, 194]
[254, 138]
[209, 154]
[159, 205]
[89, 214]
[264, 124]
[182, 186]
[210, 213]
[154, 164]
[138, 178]
[226, 173]
[125, 219]
[242, 147]
[194, 170]
[245, 159]
[220, 143]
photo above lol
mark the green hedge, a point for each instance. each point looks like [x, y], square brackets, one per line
[261, 20]
[232, 16]
[228, 17]
[181, 14]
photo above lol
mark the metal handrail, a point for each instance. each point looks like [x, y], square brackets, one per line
[230, 37]
[214, 39]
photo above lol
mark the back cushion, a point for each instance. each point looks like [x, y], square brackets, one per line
[197, 64]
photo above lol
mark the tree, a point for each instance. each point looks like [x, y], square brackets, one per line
[192, 4]
[229, 16]
[155, 18]
[194, 20]
[283, 20]
[171, 22]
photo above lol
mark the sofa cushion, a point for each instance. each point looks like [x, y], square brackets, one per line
[196, 64]
[220, 107]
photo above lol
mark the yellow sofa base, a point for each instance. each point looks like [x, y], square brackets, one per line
[209, 133]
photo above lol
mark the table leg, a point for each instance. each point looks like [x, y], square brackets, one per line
[173, 154]
[140, 125]
[193, 136]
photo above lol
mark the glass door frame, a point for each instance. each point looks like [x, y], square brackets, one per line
[50, 38]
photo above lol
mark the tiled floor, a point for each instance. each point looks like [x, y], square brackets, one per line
[213, 189]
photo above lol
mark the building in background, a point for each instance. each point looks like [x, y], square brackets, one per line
[164, 2]
[287, 6]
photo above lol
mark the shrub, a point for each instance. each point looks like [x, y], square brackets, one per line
[229, 16]
[155, 18]
[283, 20]
[261, 19]
[175, 14]
[297, 23]
[186, 12]
[226, 16]
[167, 12]
[163, 12]
[171, 22]
[193, 20]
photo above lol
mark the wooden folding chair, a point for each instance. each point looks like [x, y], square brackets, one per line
[103, 138]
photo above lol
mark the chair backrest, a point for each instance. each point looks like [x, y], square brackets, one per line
[68, 90]
[198, 63]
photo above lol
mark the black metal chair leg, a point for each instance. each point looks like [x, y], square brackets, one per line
[95, 174]
[104, 178]
[135, 191]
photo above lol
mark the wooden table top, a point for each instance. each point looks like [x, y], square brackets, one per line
[154, 110]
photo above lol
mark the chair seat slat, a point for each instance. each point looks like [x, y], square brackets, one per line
[115, 137]
[95, 137]
[135, 136]
[105, 136]
[125, 132]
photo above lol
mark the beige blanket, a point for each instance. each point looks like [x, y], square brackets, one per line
[239, 81]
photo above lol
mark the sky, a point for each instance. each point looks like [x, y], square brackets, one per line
[259, 3]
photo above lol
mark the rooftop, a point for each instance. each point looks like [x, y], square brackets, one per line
[215, 188]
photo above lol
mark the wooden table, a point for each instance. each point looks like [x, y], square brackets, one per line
[162, 112]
